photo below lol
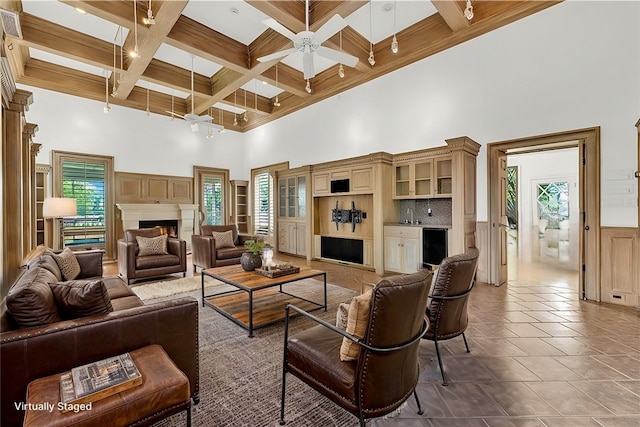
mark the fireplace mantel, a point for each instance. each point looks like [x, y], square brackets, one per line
[132, 213]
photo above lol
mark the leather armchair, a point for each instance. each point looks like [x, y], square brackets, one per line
[387, 369]
[447, 307]
[205, 254]
[131, 266]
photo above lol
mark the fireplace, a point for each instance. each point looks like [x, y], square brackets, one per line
[181, 218]
[167, 226]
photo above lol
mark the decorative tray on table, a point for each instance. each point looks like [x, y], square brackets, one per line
[278, 270]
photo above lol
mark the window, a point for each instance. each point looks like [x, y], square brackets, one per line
[213, 196]
[512, 196]
[85, 178]
[263, 187]
[263, 192]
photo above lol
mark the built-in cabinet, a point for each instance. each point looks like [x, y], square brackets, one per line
[240, 204]
[423, 178]
[344, 180]
[402, 248]
[293, 201]
[42, 177]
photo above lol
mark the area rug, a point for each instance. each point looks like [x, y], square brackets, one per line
[167, 288]
[240, 377]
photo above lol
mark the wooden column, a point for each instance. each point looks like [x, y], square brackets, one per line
[14, 188]
[464, 152]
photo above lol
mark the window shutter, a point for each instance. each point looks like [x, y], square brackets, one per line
[212, 200]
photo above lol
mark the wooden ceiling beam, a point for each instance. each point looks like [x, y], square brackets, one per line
[288, 13]
[148, 41]
[452, 13]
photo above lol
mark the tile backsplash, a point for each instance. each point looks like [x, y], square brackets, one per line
[440, 211]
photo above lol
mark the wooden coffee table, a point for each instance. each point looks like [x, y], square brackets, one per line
[258, 300]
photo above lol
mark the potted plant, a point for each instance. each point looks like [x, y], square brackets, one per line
[251, 258]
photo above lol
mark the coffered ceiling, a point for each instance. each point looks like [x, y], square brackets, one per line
[75, 46]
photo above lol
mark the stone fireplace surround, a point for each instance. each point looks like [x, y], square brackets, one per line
[132, 213]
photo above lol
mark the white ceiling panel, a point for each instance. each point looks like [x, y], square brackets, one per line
[180, 58]
[65, 62]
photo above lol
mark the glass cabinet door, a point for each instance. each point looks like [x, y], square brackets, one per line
[282, 196]
[291, 190]
[302, 197]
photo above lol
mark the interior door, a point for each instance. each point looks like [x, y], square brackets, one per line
[502, 223]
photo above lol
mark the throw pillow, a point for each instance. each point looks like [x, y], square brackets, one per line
[30, 300]
[357, 322]
[223, 239]
[68, 264]
[342, 315]
[152, 245]
[79, 298]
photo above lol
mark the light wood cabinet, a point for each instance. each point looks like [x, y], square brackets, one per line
[360, 181]
[423, 178]
[402, 249]
[292, 197]
[240, 204]
[292, 237]
[294, 200]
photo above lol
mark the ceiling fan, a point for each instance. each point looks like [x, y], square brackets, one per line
[309, 43]
[192, 118]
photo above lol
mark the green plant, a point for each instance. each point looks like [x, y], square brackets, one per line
[254, 246]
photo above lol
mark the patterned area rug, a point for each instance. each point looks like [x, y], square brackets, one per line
[240, 377]
[171, 287]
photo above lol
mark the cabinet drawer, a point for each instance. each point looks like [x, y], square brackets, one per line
[402, 231]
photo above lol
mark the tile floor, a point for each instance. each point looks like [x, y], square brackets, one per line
[539, 357]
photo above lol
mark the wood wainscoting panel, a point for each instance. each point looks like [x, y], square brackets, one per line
[620, 260]
[145, 188]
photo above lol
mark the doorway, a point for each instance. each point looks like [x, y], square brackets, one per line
[587, 142]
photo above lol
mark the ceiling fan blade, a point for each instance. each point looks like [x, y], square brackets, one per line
[276, 26]
[198, 119]
[331, 27]
[173, 113]
[307, 65]
[336, 55]
[277, 55]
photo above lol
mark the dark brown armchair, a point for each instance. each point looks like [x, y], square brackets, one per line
[386, 371]
[447, 308]
[205, 253]
[132, 266]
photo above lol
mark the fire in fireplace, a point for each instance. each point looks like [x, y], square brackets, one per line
[167, 226]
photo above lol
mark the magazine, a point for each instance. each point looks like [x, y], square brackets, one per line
[100, 379]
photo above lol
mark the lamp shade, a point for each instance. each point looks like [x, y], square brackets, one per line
[59, 207]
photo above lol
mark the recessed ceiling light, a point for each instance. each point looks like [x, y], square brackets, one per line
[388, 7]
[235, 11]
[82, 11]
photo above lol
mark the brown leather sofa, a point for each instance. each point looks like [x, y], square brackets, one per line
[131, 266]
[204, 253]
[35, 352]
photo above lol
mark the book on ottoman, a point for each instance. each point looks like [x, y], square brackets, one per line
[100, 379]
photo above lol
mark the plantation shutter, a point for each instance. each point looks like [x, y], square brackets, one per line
[263, 205]
[212, 200]
[85, 182]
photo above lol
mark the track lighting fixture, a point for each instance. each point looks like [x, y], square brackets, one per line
[341, 67]
[371, 59]
[134, 52]
[394, 42]
[106, 92]
[149, 20]
[468, 12]
[308, 87]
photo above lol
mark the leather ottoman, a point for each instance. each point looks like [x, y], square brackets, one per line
[164, 391]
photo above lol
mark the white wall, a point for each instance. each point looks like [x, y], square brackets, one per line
[151, 144]
[574, 65]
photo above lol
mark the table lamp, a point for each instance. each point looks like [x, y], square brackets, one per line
[59, 208]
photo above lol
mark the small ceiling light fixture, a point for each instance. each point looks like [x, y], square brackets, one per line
[149, 20]
[221, 130]
[209, 128]
[245, 118]
[394, 42]
[134, 52]
[371, 59]
[114, 92]
[276, 102]
[106, 92]
[468, 12]
[308, 87]
[235, 113]
[341, 67]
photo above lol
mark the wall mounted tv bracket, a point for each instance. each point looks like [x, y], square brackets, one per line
[345, 216]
